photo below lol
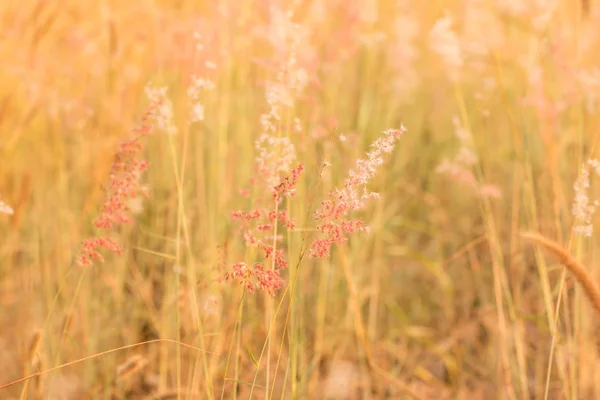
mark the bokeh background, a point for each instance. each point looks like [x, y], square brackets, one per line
[441, 299]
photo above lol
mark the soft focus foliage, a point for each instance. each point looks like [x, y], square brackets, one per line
[234, 176]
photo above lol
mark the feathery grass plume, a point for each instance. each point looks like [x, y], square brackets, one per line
[444, 41]
[512, 7]
[258, 230]
[538, 13]
[543, 12]
[290, 45]
[403, 52]
[199, 84]
[589, 285]
[332, 216]
[583, 208]
[162, 111]
[276, 154]
[124, 184]
[480, 16]
[459, 168]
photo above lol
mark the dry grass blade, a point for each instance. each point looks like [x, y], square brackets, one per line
[33, 346]
[130, 346]
[30, 358]
[577, 269]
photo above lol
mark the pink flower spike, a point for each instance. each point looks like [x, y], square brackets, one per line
[332, 216]
[123, 186]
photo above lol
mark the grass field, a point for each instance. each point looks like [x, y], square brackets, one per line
[309, 199]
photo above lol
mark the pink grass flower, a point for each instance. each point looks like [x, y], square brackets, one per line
[123, 187]
[333, 215]
[258, 229]
[162, 111]
[444, 41]
[255, 278]
[89, 249]
[199, 84]
[459, 168]
[404, 53]
[275, 154]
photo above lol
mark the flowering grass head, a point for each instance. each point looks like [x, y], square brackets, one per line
[333, 220]
[255, 277]
[459, 168]
[333, 217]
[583, 208]
[123, 188]
[259, 229]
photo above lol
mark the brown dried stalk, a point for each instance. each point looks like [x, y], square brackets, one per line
[97, 355]
[584, 278]
[30, 359]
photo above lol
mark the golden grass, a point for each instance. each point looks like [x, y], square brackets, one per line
[578, 270]
[442, 299]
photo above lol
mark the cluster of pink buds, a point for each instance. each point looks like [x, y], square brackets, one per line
[259, 230]
[255, 278]
[124, 186]
[332, 217]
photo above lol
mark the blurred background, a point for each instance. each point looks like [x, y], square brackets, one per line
[442, 299]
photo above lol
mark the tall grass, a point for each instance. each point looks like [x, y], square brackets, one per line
[471, 274]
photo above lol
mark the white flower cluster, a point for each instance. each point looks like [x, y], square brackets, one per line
[163, 115]
[198, 85]
[584, 209]
[444, 41]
